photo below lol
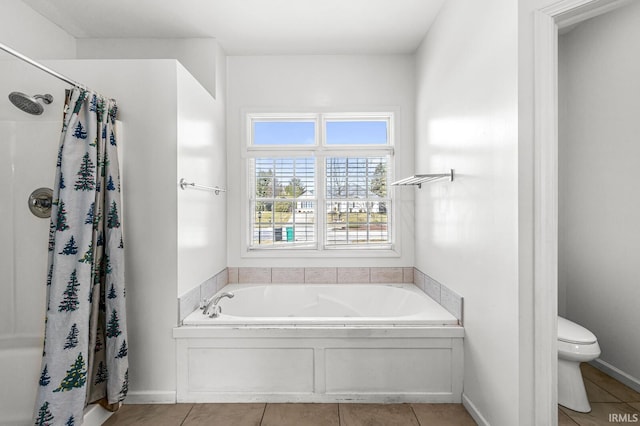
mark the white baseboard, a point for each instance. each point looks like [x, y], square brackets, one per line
[473, 411]
[619, 375]
[151, 397]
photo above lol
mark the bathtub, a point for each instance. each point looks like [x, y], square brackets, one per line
[326, 304]
[377, 343]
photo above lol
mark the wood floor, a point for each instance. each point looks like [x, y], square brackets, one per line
[610, 402]
[292, 415]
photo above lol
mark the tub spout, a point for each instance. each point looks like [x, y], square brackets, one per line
[211, 306]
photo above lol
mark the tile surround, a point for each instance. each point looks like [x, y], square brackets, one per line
[451, 301]
[387, 275]
[190, 301]
[353, 275]
[254, 275]
[287, 275]
[321, 275]
[447, 298]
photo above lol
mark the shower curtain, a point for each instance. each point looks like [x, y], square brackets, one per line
[85, 348]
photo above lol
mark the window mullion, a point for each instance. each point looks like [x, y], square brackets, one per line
[321, 188]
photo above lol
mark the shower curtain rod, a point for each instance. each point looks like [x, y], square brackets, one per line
[40, 66]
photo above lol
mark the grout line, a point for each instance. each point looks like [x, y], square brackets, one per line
[339, 420]
[414, 414]
[188, 412]
[571, 419]
[264, 410]
[601, 388]
[631, 406]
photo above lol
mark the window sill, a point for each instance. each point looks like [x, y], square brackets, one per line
[321, 254]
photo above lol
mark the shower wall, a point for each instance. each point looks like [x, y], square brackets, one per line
[28, 146]
[32, 148]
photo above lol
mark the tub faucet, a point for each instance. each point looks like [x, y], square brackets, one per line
[212, 305]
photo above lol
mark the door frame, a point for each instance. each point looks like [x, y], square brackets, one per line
[547, 22]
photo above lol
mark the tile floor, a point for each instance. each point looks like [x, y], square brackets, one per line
[610, 401]
[292, 415]
[608, 397]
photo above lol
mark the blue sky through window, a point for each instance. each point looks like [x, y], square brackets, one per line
[356, 133]
[284, 133]
[303, 133]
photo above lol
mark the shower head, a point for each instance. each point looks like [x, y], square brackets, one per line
[28, 103]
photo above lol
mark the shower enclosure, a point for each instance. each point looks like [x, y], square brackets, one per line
[171, 128]
[30, 127]
[29, 148]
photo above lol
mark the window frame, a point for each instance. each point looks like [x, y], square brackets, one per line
[320, 150]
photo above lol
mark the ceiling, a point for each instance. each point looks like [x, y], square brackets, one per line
[254, 26]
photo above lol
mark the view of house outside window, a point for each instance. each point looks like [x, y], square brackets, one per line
[320, 181]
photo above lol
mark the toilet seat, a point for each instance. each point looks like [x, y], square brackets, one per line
[570, 332]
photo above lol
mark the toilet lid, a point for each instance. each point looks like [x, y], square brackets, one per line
[571, 332]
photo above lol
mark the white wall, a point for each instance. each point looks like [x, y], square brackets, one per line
[467, 231]
[320, 84]
[599, 171]
[202, 230]
[22, 29]
[198, 55]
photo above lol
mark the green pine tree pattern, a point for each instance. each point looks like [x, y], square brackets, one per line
[89, 219]
[98, 346]
[88, 170]
[88, 255]
[45, 379]
[76, 376]
[86, 179]
[104, 163]
[79, 132]
[72, 337]
[97, 217]
[113, 328]
[59, 162]
[112, 218]
[50, 275]
[107, 265]
[52, 236]
[110, 185]
[70, 301]
[44, 417]
[70, 248]
[125, 386]
[123, 350]
[112, 292]
[61, 217]
[101, 374]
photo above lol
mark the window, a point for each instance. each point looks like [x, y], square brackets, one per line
[319, 181]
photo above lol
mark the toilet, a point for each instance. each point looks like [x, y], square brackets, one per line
[576, 344]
